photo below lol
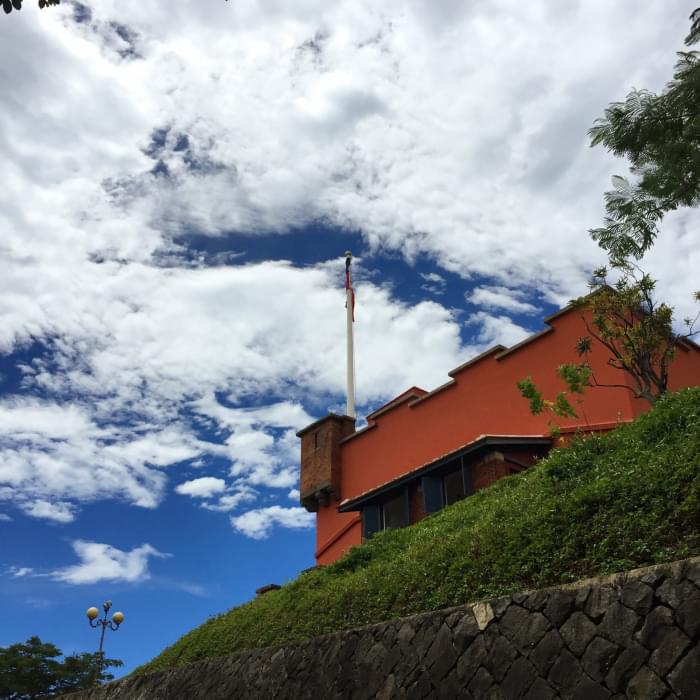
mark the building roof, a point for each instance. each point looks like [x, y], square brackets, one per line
[415, 392]
[483, 441]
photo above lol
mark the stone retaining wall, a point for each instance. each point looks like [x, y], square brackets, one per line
[634, 635]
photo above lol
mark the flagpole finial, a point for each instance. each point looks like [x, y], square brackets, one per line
[348, 254]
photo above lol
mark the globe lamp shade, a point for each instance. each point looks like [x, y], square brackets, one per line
[118, 618]
[92, 613]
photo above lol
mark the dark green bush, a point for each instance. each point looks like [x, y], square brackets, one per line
[603, 504]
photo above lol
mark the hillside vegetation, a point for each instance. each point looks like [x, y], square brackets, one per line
[604, 504]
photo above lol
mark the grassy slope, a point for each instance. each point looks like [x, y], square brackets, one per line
[602, 505]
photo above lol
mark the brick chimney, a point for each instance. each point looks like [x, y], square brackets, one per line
[320, 459]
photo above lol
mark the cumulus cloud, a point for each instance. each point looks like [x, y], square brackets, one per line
[238, 494]
[204, 487]
[153, 124]
[260, 442]
[497, 330]
[495, 297]
[258, 523]
[102, 562]
[56, 511]
[53, 453]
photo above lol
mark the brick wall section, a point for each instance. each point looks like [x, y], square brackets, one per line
[416, 504]
[488, 471]
[634, 635]
[320, 456]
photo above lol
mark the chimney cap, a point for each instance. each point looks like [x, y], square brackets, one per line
[330, 416]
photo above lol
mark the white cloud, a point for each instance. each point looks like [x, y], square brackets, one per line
[434, 282]
[53, 454]
[260, 442]
[240, 493]
[497, 330]
[204, 487]
[495, 297]
[50, 510]
[293, 494]
[380, 120]
[21, 571]
[4, 518]
[102, 562]
[258, 523]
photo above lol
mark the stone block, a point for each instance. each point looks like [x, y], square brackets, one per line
[547, 651]
[480, 683]
[646, 685]
[500, 605]
[405, 634]
[638, 596]
[559, 606]
[588, 689]
[688, 614]
[673, 593]
[441, 656]
[685, 678]
[501, 653]
[627, 664]
[654, 577]
[518, 679]
[655, 626]
[577, 631]
[599, 658]
[536, 601]
[420, 688]
[668, 651]
[524, 629]
[600, 600]
[692, 572]
[465, 631]
[566, 673]
[448, 688]
[619, 624]
[483, 614]
[470, 660]
[540, 690]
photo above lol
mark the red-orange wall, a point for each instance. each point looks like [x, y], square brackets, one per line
[482, 400]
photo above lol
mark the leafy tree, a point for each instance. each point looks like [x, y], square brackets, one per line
[634, 328]
[9, 5]
[32, 670]
[660, 135]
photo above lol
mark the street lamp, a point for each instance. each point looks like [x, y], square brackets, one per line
[104, 623]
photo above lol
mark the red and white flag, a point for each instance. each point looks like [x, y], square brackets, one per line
[348, 286]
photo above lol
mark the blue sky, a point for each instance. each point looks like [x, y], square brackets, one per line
[179, 186]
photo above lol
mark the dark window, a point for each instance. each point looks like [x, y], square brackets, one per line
[454, 487]
[371, 520]
[395, 512]
[432, 493]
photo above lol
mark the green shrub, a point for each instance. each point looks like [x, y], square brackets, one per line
[603, 504]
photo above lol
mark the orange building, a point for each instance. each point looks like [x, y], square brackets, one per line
[424, 450]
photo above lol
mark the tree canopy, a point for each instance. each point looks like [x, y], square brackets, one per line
[32, 670]
[9, 5]
[660, 135]
[635, 329]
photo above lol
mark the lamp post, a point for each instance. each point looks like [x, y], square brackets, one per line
[113, 624]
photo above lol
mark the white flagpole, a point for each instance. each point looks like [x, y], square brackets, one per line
[350, 409]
